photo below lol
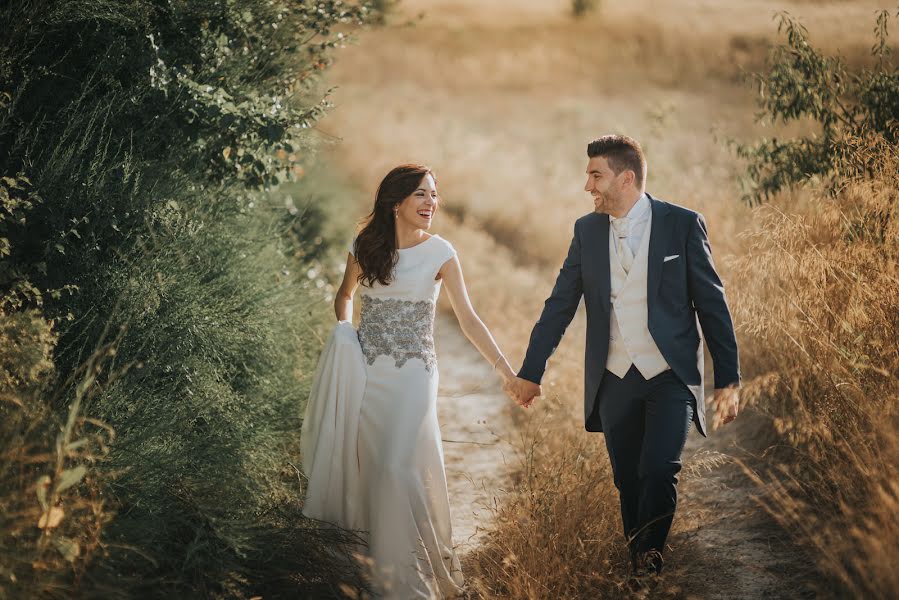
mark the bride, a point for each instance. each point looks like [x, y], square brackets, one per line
[371, 440]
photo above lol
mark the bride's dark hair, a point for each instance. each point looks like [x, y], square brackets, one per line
[375, 246]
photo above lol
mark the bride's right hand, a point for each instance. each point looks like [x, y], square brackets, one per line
[510, 380]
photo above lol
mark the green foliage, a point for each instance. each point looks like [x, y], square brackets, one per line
[223, 333]
[25, 362]
[852, 113]
[146, 100]
[580, 8]
[142, 146]
[17, 198]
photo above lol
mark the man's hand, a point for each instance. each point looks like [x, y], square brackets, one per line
[726, 405]
[522, 391]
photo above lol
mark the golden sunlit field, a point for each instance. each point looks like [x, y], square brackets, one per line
[501, 100]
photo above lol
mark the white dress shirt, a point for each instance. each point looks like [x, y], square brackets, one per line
[638, 216]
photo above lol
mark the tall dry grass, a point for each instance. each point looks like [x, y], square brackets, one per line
[818, 294]
[558, 535]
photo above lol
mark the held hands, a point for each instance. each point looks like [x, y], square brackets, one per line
[521, 391]
[726, 405]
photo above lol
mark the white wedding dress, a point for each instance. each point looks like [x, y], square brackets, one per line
[379, 398]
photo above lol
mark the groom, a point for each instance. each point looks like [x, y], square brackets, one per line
[644, 268]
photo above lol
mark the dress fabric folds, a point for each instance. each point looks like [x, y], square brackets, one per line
[374, 453]
[330, 429]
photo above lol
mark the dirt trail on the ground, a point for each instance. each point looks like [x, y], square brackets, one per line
[477, 428]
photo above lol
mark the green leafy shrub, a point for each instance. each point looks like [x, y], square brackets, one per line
[855, 115]
[140, 144]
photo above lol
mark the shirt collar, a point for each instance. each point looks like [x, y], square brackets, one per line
[637, 211]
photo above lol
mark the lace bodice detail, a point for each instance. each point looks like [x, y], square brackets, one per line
[399, 329]
[397, 320]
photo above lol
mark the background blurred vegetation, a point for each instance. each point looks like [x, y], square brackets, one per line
[162, 300]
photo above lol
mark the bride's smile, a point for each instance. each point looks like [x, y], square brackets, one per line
[417, 211]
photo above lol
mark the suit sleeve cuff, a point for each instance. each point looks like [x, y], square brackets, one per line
[530, 373]
[723, 382]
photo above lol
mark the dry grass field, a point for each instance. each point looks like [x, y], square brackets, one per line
[501, 100]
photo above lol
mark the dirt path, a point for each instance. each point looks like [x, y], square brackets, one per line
[477, 429]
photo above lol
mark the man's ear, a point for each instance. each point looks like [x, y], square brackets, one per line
[630, 178]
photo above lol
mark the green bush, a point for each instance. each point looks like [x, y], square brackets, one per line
[855, 115]
[141, 144]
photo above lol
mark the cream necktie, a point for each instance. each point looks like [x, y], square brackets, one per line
[621, 228]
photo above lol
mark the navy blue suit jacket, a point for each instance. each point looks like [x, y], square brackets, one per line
[678, 292]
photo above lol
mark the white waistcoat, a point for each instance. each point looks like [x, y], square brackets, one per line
[629, 339]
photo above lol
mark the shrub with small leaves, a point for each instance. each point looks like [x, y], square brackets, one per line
[53, 511]
[853, 112]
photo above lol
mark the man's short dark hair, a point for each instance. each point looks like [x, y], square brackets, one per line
[622, 153]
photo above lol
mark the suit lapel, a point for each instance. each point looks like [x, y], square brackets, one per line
[659, 236]
[605, 273]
